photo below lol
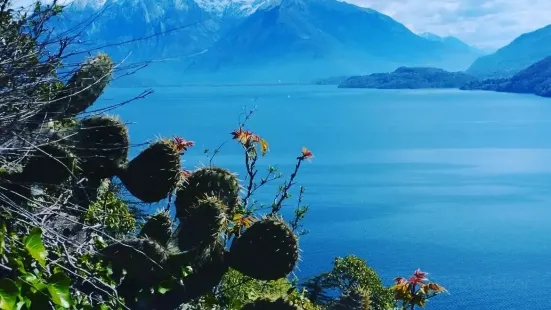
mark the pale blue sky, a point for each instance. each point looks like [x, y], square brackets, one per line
[483, 23]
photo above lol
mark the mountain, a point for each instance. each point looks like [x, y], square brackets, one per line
[134, 31]
[255, 41]
[299, 40]
[520, 53]
[452, 41]
[410, 78]
[536, 79]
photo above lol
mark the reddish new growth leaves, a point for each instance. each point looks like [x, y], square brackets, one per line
[249, 140]
[416, 291]
[185, 174]
[182, 145]
[306, 154]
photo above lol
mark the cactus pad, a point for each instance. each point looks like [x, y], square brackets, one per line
[87, 84]
[267, 304]
[101, 143]
[153, 173]
[268, 250]
[201, 224]
[158, 227]
[141, 258]
[209, 181]
[52, 164]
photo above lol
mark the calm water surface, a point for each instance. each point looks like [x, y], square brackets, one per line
[456, 183]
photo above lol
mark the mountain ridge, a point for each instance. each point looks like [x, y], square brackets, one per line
[289, 40]
[522, 52]
[322, 38]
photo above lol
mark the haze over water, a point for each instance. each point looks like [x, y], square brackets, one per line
[455, 183]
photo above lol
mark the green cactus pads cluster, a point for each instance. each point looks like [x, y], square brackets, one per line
[267, 304]
[201, 224]
[101, 144]
[153, 173]
[158, 227]
[355, 299]
[141, 258]
[87, 84]
[268, 250]
[52, 164]
[209, 181]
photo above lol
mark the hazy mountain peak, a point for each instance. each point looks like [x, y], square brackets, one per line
[522, 52]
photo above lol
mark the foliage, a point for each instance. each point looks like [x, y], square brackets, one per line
[416, 291]
[109, 211]
[37, 283]
[237, 290]
[349, 272]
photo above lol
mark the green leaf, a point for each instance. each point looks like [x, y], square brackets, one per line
[58, 286]
[8, 294]
[33, 244]
[3, 231]
[165, 286]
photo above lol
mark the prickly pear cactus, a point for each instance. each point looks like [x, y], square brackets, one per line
[51, 164]
[101, 143]
[201, 224]
[208, 181]
[154, 173]
[268, 250]
[158, 228]
[80, 92]
[208, 267]
[87, 84]
[267, 304]
[140, 258]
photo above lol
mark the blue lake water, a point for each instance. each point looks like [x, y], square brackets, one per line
[455, 183]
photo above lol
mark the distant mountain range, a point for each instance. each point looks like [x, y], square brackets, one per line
[452, 41]
[522, 52]
[268, 41]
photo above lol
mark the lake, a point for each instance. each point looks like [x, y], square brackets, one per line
[455, 183]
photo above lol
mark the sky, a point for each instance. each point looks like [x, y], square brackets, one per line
[483, 23]
[487, 24]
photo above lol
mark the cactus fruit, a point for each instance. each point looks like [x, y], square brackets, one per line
[158, 227]
[355, 299]
[209, 181]
[267, 304]
[101, 143]
[52, 164]
[201, 224]
[153, 173]
[141, 258]
[268, 250]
